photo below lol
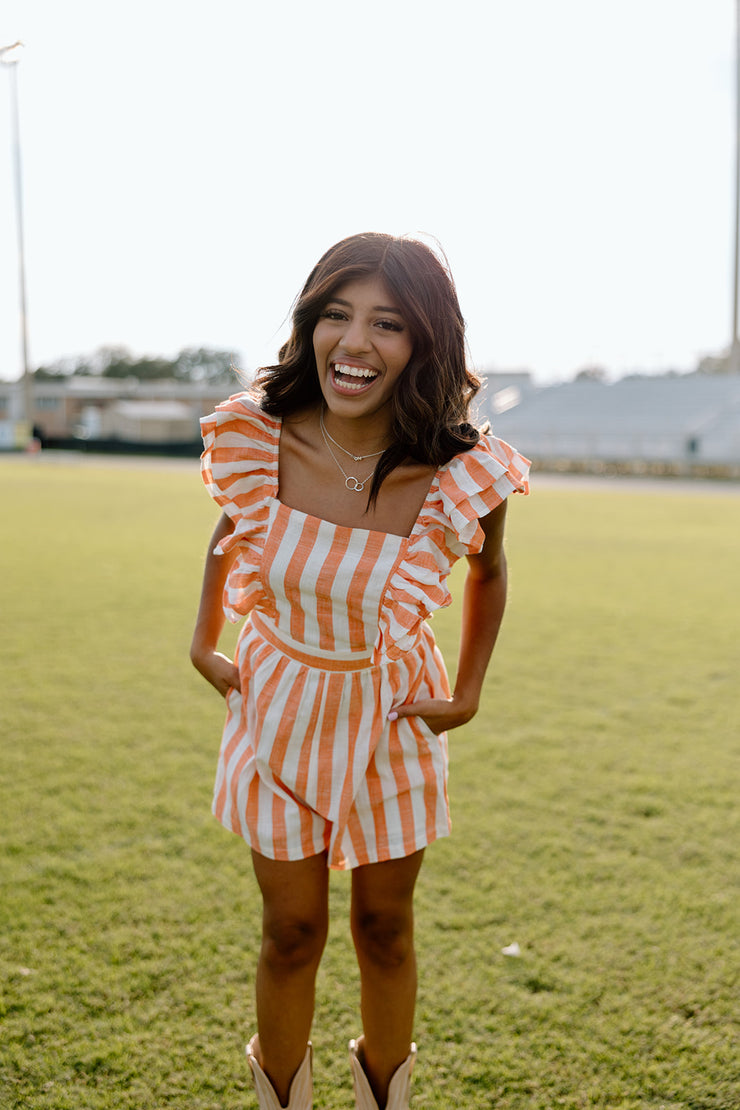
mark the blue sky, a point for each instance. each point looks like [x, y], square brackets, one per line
[185, 165]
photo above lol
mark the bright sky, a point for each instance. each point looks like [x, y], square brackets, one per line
[186, 164]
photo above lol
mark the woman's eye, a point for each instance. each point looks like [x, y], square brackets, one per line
[333, 314]
[390, 325]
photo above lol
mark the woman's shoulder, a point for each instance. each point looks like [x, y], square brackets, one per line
[240, 417]
[246, 404]
[239, 462]
[485, 464]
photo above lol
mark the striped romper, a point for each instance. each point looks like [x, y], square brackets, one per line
[335, 637]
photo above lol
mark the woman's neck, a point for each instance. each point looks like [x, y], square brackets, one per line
[360, 435]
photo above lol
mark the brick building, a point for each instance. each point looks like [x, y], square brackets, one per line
[111, 409]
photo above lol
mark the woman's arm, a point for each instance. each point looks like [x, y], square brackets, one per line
[212, 664]
[484, 600]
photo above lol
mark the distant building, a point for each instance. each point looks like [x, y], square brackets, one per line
[112, 410]
[503, 390]
[668, 424]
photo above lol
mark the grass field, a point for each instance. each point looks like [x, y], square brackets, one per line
[594, 798]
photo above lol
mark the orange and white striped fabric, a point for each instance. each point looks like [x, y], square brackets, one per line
[335, 638]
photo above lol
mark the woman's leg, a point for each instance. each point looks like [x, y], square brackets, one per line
[383, 932]
[294, 927]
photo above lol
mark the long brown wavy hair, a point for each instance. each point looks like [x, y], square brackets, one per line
[431, 401]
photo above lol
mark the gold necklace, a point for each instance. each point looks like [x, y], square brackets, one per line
[357, 458]
[356, 485]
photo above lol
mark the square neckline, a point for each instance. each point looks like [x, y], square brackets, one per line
[344, 527]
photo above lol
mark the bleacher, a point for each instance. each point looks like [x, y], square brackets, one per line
[672, 423]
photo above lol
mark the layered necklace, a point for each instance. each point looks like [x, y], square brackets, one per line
[356, 485]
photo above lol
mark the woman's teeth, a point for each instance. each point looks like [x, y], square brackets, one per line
[362, 374]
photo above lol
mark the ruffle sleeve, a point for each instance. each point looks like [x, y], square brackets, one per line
[473, 484]
[239, 466]
[467, 488]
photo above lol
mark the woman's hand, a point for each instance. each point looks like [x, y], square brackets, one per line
[217, 669]
[438, 714]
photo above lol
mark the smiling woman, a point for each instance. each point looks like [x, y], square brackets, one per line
[361, 346]
[350, 483]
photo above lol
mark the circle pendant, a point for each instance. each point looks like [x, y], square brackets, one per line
[352, 483]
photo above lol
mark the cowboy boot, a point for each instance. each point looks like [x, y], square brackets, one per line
[399, 1089]
[301, 1086]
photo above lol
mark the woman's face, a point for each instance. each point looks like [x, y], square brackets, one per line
[362, 345]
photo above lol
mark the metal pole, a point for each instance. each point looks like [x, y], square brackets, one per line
[735, 349]
[9, 57]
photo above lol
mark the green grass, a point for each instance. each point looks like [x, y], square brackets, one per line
[594, 805]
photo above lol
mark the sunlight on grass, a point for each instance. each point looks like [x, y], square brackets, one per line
[594, 803]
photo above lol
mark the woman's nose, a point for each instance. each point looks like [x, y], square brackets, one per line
[355, 336]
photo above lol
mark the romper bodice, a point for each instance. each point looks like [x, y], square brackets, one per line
[350, 589]
[330, 595]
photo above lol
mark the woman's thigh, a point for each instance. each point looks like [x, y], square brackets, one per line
[295, 897]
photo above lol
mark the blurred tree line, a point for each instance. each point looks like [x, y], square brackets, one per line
[192, 364]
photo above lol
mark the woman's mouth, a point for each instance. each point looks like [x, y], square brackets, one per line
[352, 379]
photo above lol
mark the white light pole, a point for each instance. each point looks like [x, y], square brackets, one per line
[10, 56]
[735, 348]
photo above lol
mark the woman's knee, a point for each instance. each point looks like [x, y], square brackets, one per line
[384, 938]
[383, 913]
[292, 945]
[293, 941]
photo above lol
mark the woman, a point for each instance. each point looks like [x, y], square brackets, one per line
[349, 483]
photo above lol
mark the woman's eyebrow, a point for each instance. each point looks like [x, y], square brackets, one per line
[376, 308]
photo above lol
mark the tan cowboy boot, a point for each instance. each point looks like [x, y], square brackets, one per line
[301, 1086]
[399, 1090]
